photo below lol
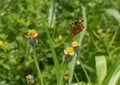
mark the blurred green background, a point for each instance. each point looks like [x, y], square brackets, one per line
[102, 37]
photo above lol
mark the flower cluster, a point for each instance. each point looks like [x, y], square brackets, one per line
[69, 51]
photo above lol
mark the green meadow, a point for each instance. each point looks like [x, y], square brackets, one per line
[59, 42]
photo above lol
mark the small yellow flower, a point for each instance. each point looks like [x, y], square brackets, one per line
[1, 43]
[75, 44]
[69, 51]
[100, 30]
[60, 37]
[30, 79]
[32, 35]
[66, 78]
[3, 36]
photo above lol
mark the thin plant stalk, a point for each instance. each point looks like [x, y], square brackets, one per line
[76, 78]
[37, 66]
[84, 69]
[63, 73]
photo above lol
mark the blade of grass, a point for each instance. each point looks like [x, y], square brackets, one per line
[101, 68]
[114, 68]
[115, 13]
[115, 77]
[84, 23]
[51, 43]
[71, 68]
[76, 78]
[62, 75]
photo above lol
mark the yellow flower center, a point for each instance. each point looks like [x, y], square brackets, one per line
[100, 30]
[74, 43]
[1, 43]
[60, 37]
[31, 32]
[69, 50]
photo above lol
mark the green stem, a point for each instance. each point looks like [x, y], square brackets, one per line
[85, 71]
[76, 78]
[113, 38]
[63, 73]
[37, 66]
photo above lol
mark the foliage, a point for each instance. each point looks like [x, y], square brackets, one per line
[51, 19]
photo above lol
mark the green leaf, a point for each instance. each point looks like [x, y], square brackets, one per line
[115, 13]
[72, 67]
[101, 68]
[85, 24]
[115, 77]
[113, 73]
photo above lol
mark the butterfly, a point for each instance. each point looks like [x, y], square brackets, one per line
[76, 27]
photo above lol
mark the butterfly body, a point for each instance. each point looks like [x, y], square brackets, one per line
[76, 28]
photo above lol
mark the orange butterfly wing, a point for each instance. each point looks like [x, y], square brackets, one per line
[72, 34]
[76, 28]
